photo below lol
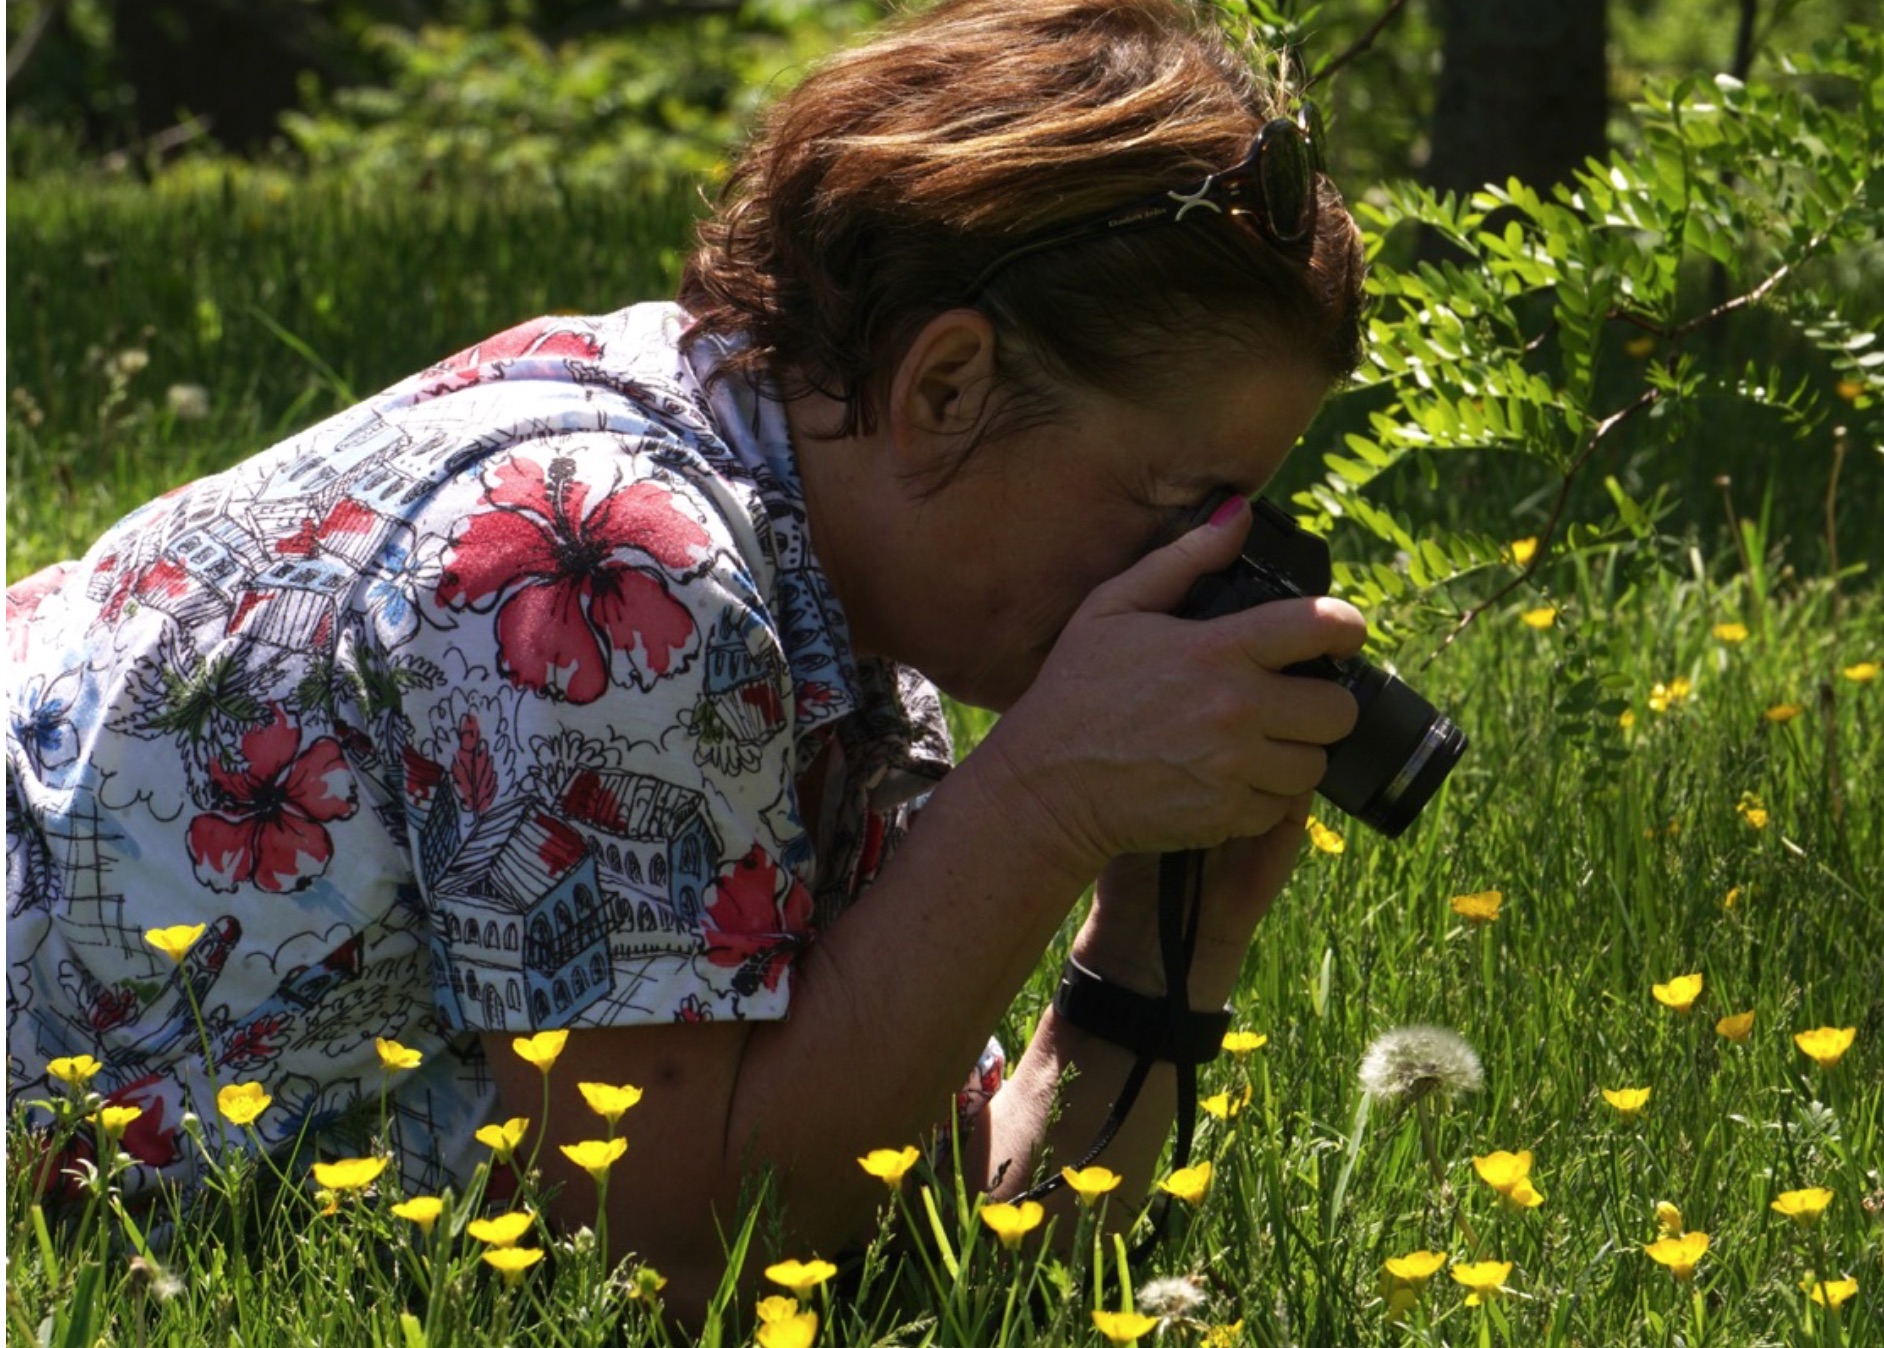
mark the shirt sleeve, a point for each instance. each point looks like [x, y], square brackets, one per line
[596, 766]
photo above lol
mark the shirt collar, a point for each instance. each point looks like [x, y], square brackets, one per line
[900, 712]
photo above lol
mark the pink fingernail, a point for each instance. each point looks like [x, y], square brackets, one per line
[1226, 512]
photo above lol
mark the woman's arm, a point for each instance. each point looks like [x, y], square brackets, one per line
[1142, 734]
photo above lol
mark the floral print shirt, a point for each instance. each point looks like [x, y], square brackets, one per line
[480, 706]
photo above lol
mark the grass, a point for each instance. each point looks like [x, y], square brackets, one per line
[1616, 852]
[281, 305]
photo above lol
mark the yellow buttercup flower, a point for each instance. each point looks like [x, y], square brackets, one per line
[76, 1072]
[1522, 550]
[502, 1138]
[512, 1263]
[1736, 1028]
[800, 1277]
[1091, 1184]
[542, 1049]
[1679, 994]
[1803, 1206]
[1665, 696]
[396, 1057]
[1325, 839]
[1731, 899]
[798, 1330]
[1866, 672]
[1123, 1326]
[1831, 1294]
[1486, 1279]
[354, 1172]
[1010, 1221]
[1510, 1174]
[1731, 633]
[1629, 1101]
[1539, 619]
[114, 1119]
[1223, 1105]
[611, 1102]
[1417, 1267]
[1189, 1184]
[503, 1230]
[1753, 810]
[648, 1283]
[243, 1103]
[889, 1164]
[1222, 1336]
[774, 1308]
[597, 1156]
[1825, 1045]
[1479, 908]
[1240, 1042]
[1679, 1254]
[1627, 719]
[176, 941]
[422, 1212]
[1668, 1217]
[1783, 712]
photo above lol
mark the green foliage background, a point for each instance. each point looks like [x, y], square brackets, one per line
[1581, 366]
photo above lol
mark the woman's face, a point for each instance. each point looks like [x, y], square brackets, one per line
[972, 583]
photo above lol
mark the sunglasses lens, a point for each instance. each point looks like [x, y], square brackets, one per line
[1288, 184]
[1308, 117]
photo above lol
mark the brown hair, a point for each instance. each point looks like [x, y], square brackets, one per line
[876, 191]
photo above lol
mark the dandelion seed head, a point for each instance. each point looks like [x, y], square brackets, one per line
[1413, 1061]
[149, 1278]
[187, 402]
[1171, 1298]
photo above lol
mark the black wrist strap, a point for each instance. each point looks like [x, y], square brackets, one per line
[1137, 1022]
[1153, 1028]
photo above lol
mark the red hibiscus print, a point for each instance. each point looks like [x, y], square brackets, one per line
[23, 600]
[540, 337]
[150, 1138]
[750, 928]
[270, 830]
[572, 602]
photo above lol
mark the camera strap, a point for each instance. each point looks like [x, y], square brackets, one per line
[1180, 885]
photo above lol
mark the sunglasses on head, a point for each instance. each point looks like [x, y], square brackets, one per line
[1273, 189]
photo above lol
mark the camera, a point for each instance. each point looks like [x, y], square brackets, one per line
[1402, 747]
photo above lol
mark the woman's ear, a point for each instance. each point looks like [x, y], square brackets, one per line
[942, 385]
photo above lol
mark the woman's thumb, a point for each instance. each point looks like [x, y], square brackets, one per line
[1158, 581]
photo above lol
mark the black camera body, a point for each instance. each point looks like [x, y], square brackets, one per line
[1402, 747]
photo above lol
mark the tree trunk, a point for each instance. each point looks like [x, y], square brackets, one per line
[1523, 91]
[233, 62]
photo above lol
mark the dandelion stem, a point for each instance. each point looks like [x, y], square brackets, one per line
[1429, 1143]
[209, 1059]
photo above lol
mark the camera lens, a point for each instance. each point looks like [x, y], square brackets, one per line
[1399, 752]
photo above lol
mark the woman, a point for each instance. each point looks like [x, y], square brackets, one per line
[586, 680]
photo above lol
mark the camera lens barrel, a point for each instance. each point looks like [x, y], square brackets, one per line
[1399, 752]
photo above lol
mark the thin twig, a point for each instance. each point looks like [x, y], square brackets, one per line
[1735, 532]
[1359, 45]
[1647, 398]
[22, 51]
[1828, 696]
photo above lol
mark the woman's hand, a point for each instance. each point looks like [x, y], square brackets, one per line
[1145, 733]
